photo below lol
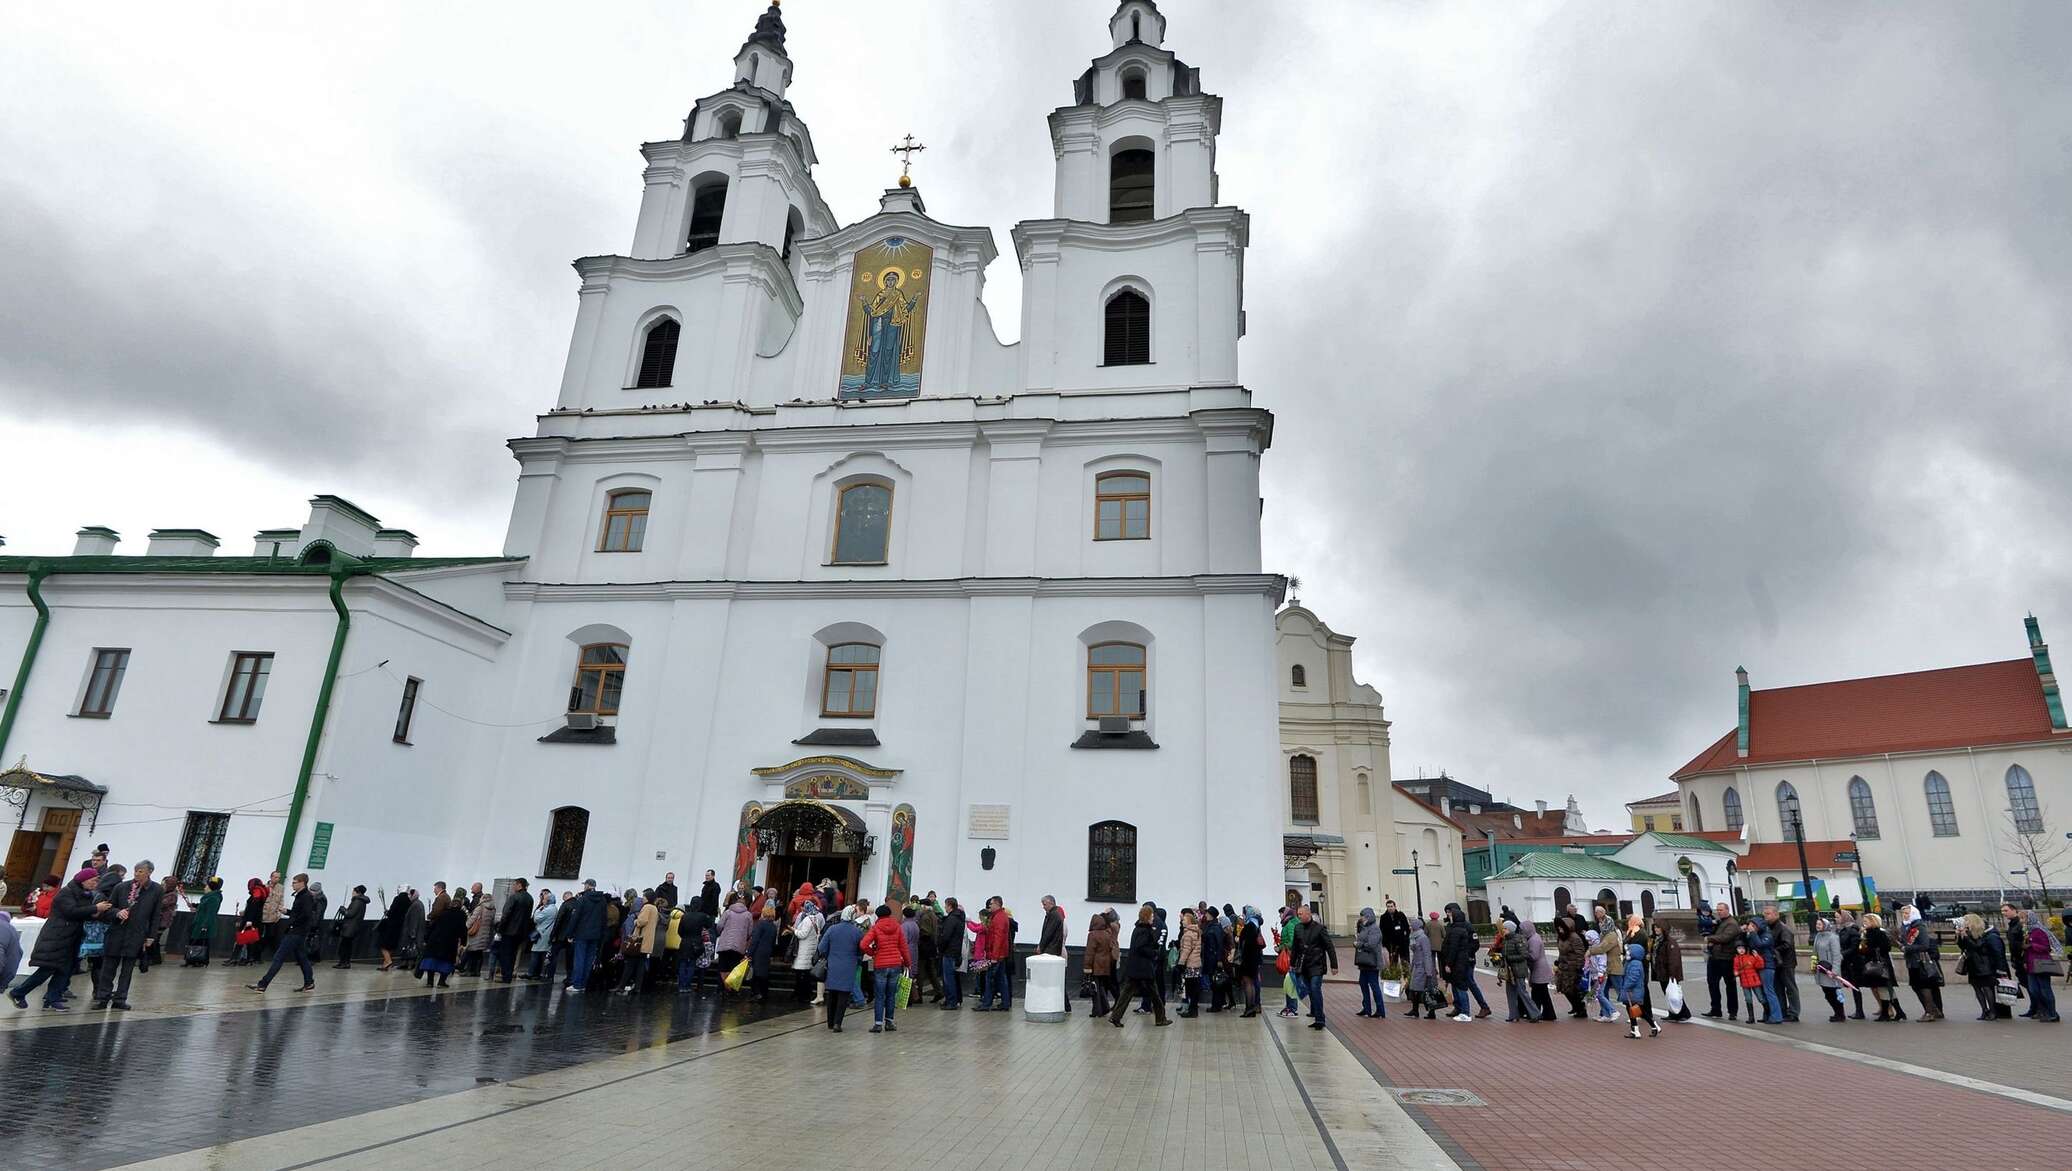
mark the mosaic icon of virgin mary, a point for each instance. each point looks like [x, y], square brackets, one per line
[882, 349]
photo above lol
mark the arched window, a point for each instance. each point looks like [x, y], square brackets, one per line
[863, 524]
[1942, 814]
[708, 206]
[567, 829]
[1122, 506]
[2021, 801]
[1562, 899]
[1133, 85]
[791, 233]
[1697, 816]
[1770, 888]
[658, 355]
[1732, 801]
[600, 673]
[1111, 862]
[1127, 330]
[851, 685]
[1302, 789]
[625, 521]
[729, 125]
[1131, 185]
[1787, 809]
[1863, 810]
[1298, 676]
[1115, 680]
[1366, 795]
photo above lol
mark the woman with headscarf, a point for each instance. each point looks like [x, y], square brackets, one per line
[1423, 986]
[1367, 959]
[544, 917]
[1099, 962]
[762, 945]
[1983, 961]
[57, 945]
[413, 926]
[799, 899]
[1568, 968]
[201, 930]
[250, 917]
[446, 928]
[314, 941]
[806, 925]
[731, 944]
[1668, 965]
[388, 937]
[1827, 966]
[1924, 965]
[2046, 960]
[1542, 968]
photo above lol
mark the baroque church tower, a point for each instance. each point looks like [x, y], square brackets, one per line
[838, 584]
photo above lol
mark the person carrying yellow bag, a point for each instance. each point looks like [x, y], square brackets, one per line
[737, 977]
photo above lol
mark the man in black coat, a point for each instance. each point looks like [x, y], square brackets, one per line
[1395, 934]
[513, 930]
[585, 931]
[666, 889]
[691, 934]
[132, 917]
[297, 925]
[1050, 938]
[1144, 966]
[57, 945]
[1457, 962]
[708, 895]
[1719, 961]
[1787, 947]
[949, 950]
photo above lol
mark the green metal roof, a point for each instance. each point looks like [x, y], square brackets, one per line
[1687, 842]
[1581, 866]
[233, 565]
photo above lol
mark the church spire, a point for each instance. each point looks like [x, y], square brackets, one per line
[769, 29]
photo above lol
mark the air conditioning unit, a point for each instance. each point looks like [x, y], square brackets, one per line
[582, 721]
[1115, 725]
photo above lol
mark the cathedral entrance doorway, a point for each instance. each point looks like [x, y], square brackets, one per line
[804, 840]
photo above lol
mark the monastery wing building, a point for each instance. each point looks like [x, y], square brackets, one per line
[807, 575]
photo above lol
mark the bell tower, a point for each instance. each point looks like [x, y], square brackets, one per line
[1139, 140]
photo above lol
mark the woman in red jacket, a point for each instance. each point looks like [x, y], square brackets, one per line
[885, 944]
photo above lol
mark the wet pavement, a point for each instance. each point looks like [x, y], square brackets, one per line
[106, 1090]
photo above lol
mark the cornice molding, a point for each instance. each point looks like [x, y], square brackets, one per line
[1200, 585]
[1222, 226]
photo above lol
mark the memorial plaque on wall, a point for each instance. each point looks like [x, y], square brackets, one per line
[987, 821]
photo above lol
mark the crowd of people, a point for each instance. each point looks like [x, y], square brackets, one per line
[111, 922]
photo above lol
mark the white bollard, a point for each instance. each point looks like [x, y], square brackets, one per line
[1043, 991]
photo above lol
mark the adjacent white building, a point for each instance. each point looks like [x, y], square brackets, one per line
[1351, 838]
[807, 573]
[1952, 783]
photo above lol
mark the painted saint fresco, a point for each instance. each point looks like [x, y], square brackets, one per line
[744, 846]
[827, 787]
[888, 320]
[899, 884]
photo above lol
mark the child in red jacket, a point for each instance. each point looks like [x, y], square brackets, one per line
[1748, 968]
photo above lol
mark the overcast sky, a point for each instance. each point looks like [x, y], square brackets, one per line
[1611, 346]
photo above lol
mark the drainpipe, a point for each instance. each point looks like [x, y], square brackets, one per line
[37, 572]
[317, 718]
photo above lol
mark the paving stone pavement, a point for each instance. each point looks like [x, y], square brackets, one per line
[106, 1088]
[1576, 1094]
[947, 1090]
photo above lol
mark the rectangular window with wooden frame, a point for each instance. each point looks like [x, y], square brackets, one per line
[103, 680]
[407, 713]
[1122, 506]
[851, 687]
[625, 521]
[1115, 680]
[247, 688]
[600, 674]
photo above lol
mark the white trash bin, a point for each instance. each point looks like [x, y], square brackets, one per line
[1043, 990]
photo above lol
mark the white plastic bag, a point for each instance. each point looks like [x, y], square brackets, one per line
[1673, 996]
[1393, 989]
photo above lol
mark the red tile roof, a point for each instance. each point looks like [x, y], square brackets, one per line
[1953, 707]
[1785, 856]
[1530, 824]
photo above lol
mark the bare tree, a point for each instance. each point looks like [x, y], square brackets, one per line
[2040, 849]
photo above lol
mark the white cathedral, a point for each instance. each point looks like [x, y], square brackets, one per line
[808, 575]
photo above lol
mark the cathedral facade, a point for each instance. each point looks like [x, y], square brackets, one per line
[807, 576]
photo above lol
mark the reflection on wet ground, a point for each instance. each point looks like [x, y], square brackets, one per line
[103, 1093]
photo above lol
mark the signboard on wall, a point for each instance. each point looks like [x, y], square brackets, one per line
[320, 846]
[987, 821]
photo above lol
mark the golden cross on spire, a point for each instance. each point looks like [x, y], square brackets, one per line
[906, 151]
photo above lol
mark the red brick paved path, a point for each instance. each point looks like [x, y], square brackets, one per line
[1576, 1094]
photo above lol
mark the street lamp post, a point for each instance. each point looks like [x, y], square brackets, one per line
[1417, 885]
[1863, 893]
[1798, 833]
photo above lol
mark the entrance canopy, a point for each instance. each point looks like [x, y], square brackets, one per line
[805, 826]
[20, 783]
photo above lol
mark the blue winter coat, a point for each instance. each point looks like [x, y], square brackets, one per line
[838, 944]
[1633, 984]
